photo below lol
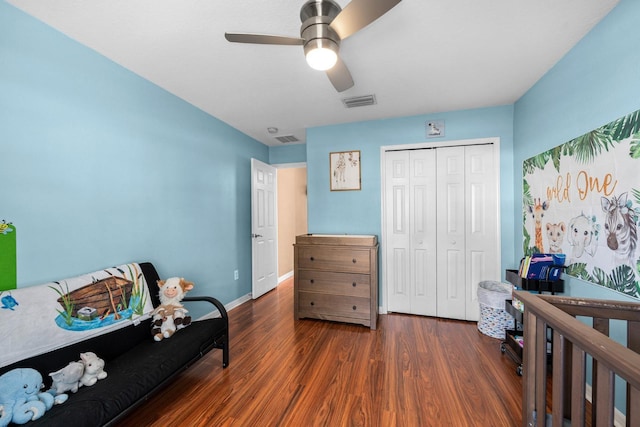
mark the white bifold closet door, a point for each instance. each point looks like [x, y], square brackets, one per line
[441, 234]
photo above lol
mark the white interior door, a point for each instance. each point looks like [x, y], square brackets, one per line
[411, 240]
[483, 258]
[264, 228]
[450, 207]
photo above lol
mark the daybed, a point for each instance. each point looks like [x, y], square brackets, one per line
[137, 366]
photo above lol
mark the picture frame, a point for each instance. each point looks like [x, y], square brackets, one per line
[345, 170]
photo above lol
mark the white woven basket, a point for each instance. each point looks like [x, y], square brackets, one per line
[493, 318]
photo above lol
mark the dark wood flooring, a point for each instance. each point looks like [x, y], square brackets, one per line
[411, 371]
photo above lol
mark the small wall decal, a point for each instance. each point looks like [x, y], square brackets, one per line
[435, 128]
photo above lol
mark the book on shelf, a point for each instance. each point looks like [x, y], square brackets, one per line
[542, 266]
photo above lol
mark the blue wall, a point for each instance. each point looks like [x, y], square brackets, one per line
[359, 212]
[595, 83]
[101, 167]
[296, 153]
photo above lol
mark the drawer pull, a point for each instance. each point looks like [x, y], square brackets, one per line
[311, 303]
[311, 281]
[354, 307]
[353, 260]
[353, 284]
[311, 259]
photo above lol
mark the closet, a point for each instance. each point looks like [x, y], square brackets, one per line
[441, 227]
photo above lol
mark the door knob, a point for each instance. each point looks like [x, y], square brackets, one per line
[255, 236]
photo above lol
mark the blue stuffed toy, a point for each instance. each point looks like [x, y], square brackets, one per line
[21, 399]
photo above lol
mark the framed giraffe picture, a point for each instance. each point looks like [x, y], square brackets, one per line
[344, 171]
[582, 199]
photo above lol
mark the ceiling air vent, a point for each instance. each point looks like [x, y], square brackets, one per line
[359, 101]
[286, 139]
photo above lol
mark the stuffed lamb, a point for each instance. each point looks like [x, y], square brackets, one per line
[93, 369]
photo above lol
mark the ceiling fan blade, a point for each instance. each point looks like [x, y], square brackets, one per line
[262, 39]
[340, 76]
[358, 14]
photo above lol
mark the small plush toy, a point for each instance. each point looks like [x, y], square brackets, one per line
[67, 378]
[20, 398]
[170, 315]
[93, 369]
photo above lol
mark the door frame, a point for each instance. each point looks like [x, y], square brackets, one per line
[280, 166]
[495, 141]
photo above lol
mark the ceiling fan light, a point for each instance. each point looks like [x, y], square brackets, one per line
[321, 53]
[321, 58]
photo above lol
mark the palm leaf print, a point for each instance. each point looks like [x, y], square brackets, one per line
[591, 144]
[579, 270]
[556, 153]
[623, 280]
[634, 149]
[527, 200]
[536, 162]
[624, 127]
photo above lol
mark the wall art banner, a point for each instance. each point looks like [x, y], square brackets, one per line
[582, 199]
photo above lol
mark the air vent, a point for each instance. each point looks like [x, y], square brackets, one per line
[359, 101]
[287, 138]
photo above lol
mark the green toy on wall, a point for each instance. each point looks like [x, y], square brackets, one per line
[8, 276]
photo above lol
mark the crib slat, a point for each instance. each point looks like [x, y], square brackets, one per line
[528, 359]
[604, 399]
[558, 387]
[541, 370]
[633, 394]
[578, 387]
[601, 325]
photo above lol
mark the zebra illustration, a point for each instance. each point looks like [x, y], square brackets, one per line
[620, 227]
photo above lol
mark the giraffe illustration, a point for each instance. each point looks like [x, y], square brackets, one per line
[537, 212]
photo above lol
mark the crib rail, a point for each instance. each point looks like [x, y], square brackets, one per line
[572, 341]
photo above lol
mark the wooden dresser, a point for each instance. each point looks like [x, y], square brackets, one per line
[336, 278]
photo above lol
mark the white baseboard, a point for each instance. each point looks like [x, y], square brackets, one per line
[285, 277]
[619, 419]
[230, 306]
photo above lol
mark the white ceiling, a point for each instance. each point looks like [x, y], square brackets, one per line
[423, 56]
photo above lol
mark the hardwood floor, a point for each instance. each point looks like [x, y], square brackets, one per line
[411, 371]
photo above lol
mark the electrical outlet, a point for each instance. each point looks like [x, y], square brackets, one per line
[235, 275]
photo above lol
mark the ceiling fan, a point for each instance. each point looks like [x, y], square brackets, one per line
[324, 26]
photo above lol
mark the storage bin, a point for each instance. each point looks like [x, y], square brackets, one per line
[493, 317]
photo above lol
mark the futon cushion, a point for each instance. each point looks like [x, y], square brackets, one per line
[133, 375]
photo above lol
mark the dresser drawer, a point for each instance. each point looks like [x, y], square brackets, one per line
[334, 259]
[325, 306]
[334, 283]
